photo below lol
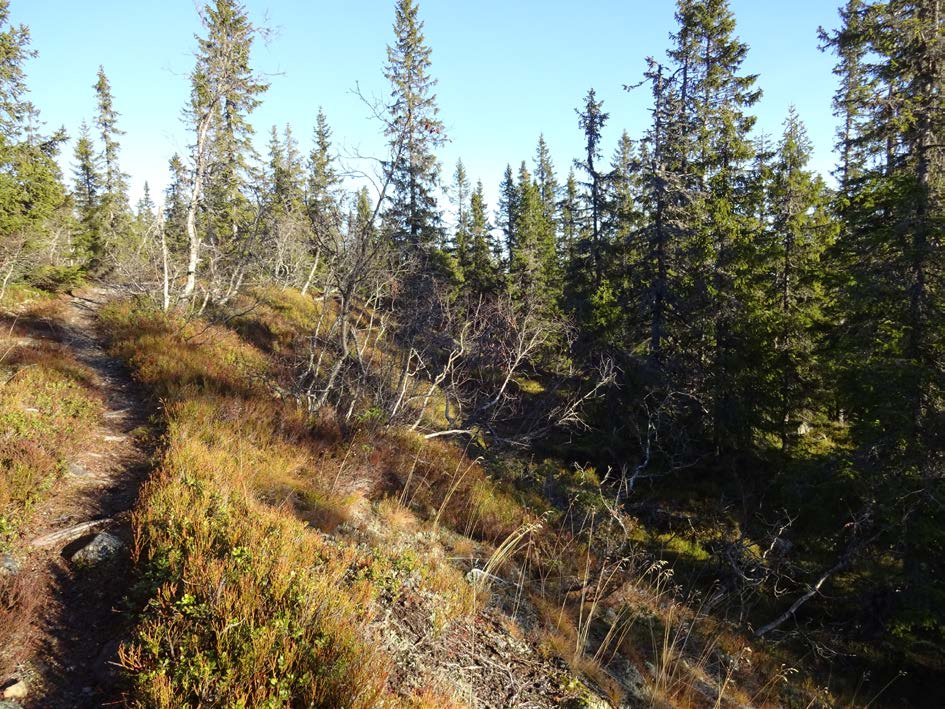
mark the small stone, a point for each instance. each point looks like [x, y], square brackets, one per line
[105, 547]
[16, 691]
[8, 565]
[77, 471]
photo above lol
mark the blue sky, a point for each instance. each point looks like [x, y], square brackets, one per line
[507, 70]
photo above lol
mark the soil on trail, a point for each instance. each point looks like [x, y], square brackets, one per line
[67, 654]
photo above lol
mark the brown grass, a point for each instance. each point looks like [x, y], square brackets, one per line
[47, 404]
[248, 606]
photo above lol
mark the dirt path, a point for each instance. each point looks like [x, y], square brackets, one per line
[66, 657]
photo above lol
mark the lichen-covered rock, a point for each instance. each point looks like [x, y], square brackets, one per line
[105, 547]
[8, 565]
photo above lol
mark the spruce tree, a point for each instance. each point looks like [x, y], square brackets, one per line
[30, 180]
[789, 278]
[412, 217]
[287, 173]
[853, 94]
[532, 261]
[145, 210]
[462, 235]
[482, 275]
[88, 184]
[322, 195]
[569, 228]
[716, 99]
[116, 213]
[545, 177]
[323, 178]
[106, 120]
[176, 197]
[592, 119]
[666, 203]
[623, 218]
[801, 228]
[507, 216]
[15, 50]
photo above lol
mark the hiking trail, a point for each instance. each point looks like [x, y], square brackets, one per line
[65, 657]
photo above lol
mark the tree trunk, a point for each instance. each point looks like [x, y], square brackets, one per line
[193, 239]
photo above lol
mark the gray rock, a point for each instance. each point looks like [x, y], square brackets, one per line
[77, 471]
[105, 547]
[8, 565]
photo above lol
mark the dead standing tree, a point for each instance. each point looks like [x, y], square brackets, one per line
[223, 88]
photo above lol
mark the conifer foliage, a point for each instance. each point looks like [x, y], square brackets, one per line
[415, 132]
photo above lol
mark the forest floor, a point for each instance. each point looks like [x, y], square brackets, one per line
[62, 655]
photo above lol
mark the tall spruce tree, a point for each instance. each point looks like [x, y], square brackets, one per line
[114, 196]
[286, 172]
[622, 215]
[86, 191]
[716, 98]
[462, 234]
[853, 94]
[569, 228]
[176, 196]
[800, 229]
[322, 194]
[145, 211]
[412, 217]
[532, 262]
[666, 202]
[482, 275]
[507, 215]
[592, 119]
[545, 177]
[31, 189]
[323, 178]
